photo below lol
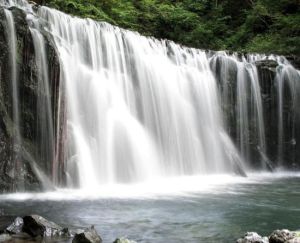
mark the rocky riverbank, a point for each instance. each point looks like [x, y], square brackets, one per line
[35, 228]
[277, 236]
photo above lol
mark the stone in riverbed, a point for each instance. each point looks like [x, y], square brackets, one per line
[123, 240]
[88, 236]
[252, 237]
[36, 225]
[281, 236]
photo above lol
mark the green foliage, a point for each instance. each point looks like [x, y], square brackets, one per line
[244, 25]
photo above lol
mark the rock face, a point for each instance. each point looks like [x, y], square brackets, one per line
[18, 168]
[278, 84]
[270, 74]
[295, 60]
[88, 236]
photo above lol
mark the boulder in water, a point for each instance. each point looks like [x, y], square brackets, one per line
[88, 236]
[36, 225]
[281, 236]
[253, 237]
[124, 240]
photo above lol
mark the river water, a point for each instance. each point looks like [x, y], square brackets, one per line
[191, 209]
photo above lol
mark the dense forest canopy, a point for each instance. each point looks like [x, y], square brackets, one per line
[269, 26]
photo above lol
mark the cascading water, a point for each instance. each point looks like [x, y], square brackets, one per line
[12, 43]
[247, 97]
[44, 110]
[137, 108]
[243, 102]
[287, 80]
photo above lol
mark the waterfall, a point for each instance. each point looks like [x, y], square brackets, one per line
[248, 115]
[288, 88]
[138, 108]
[44, 110]
[24, 157]
[258, 109]
[134, 108]
[12, 43]
[243, 110]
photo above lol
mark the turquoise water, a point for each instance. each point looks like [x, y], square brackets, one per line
[219, 213]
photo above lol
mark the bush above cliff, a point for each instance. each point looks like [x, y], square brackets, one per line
[242, 25]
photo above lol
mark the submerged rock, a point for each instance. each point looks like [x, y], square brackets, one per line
[253, 237]
[282, 236]
[88, 236]
[35, 225]
[123, 240]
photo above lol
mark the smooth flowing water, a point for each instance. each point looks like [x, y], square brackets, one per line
[14, 87]
[244, 99]
[287, 80]
[210, 209]
[45, 137]
[138, 108]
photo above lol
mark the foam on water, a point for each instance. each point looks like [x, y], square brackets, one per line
[189, 186]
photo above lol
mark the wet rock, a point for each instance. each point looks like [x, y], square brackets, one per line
[16, 227]
[295, 60]
[35, 225]
[281, 236]
[16, 171]
[267, 65]
[123, 240]
[88, 236]
[253, 237]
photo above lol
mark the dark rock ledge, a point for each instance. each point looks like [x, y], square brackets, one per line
[35, 228]
[277, 236]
